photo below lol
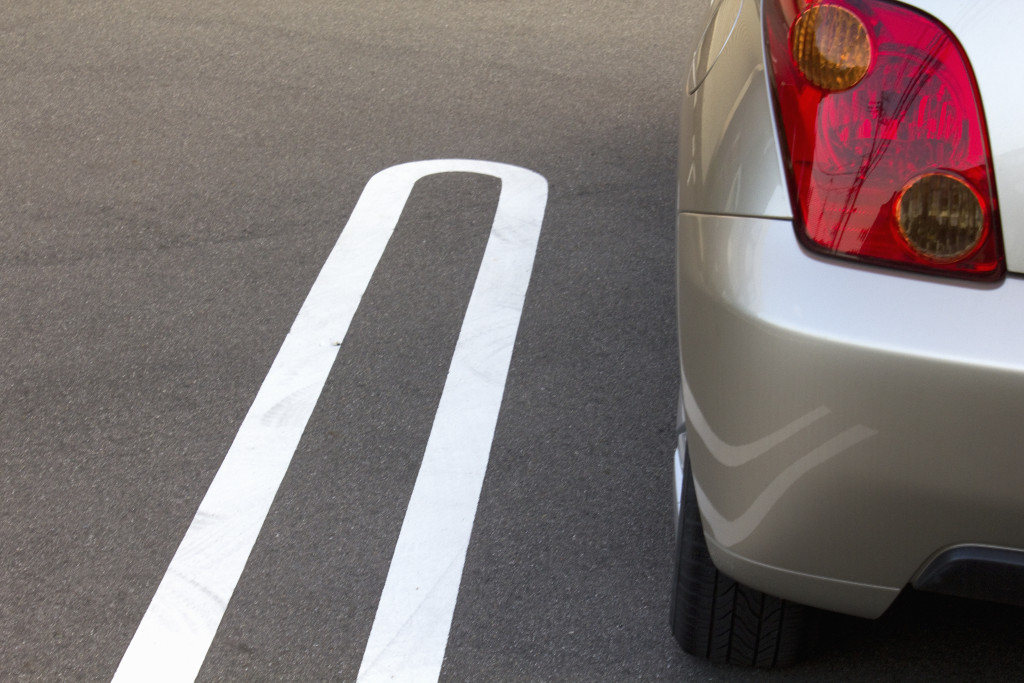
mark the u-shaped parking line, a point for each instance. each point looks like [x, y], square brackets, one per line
[410, 631]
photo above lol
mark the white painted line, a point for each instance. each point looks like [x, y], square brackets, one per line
[410, 632]
[179, 626]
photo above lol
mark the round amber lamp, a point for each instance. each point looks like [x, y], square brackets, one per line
[940, 217]
[831, 47]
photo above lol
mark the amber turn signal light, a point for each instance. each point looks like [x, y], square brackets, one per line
[831, 47]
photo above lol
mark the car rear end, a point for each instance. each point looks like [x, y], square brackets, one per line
[850, 260]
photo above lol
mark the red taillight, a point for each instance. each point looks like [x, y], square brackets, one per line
[887, 154]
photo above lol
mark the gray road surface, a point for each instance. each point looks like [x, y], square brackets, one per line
[172, 178]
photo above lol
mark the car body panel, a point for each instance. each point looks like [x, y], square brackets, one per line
[852, 436]
[721, 23]
[732, 163]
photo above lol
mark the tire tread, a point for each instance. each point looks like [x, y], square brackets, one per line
[720, 619]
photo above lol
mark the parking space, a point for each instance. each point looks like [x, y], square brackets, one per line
[174, 180]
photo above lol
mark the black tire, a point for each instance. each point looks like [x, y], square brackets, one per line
[719, 619]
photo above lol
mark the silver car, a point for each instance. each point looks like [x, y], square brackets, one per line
[851, 316]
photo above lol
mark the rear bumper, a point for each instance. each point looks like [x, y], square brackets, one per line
[846, 425]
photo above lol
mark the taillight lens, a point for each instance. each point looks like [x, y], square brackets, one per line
[887, 153]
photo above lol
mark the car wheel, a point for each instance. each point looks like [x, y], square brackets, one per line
[719, 619]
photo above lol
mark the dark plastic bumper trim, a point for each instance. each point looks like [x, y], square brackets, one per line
[981, 573]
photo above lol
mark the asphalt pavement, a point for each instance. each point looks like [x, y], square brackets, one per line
[173, 177]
